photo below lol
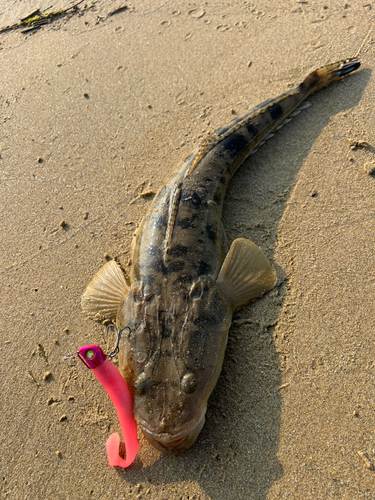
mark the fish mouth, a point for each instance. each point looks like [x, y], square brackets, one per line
[171, 445]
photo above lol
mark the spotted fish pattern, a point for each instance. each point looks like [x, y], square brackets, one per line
[184, 285]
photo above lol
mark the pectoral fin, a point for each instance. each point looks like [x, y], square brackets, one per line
[105, 292]
[245, 274]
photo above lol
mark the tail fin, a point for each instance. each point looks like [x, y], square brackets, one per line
[329, 73]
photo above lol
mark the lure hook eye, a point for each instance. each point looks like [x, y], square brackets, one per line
[92, 355]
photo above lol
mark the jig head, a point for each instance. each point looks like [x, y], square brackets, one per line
[108, 375]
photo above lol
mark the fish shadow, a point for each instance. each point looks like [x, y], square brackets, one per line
[236, 454]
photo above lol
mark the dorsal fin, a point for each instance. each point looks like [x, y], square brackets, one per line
[214, 139]
[105, 292]
[245, 274]
[206, 146]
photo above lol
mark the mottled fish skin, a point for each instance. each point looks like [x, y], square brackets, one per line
[177, 311]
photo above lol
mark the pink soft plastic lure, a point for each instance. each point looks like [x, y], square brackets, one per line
[117, 388]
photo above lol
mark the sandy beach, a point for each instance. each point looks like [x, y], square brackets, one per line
[99, 107]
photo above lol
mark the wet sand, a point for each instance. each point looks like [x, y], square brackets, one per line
[97, 111]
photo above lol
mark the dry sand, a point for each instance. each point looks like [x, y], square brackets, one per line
[98, 109]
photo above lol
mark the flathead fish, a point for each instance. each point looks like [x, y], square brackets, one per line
[184, 286]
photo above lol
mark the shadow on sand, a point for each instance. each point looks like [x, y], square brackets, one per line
[236, 455]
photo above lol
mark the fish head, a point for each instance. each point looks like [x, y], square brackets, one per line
[172, 357]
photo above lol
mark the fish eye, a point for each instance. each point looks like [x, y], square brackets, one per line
[142, 384]
[189, 383]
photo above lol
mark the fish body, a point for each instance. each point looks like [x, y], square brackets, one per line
[184, 285]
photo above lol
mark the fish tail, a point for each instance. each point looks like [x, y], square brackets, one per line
[243, 135]
[328, 74]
